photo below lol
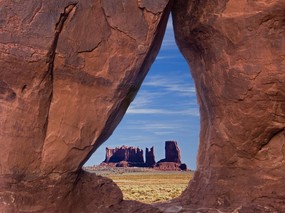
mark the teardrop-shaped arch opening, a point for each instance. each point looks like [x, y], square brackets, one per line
[164, 109]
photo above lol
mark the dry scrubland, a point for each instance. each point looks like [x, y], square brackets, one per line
[151, 186]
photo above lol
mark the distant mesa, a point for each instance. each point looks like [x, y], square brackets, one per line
[129, 156]
[124, 155]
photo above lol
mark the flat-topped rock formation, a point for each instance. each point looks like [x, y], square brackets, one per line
[124, 153]
[70, 69]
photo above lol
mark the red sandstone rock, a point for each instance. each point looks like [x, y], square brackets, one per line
[167, 166]
[172, 152]
[149, 157]
[236, 53]
[69, 70]
[123, 164]
[124, 153]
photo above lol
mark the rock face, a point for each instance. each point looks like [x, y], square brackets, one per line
[149, 157]
[172, 152]
[236, 53]
[124, 153]
[69, 70]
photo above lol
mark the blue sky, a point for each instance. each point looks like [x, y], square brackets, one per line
[165, 108]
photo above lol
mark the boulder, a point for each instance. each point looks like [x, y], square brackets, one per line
[183, 167]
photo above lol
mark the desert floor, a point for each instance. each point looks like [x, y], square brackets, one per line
[148, 185]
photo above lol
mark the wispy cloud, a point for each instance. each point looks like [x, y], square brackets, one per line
[157, 97]
[164, 57]
[193, 111]
[153, 126]
[164, 133]
[146, 99]
[172, 84]
[134, 138]
[137, 140]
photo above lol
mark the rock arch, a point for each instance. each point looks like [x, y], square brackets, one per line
[70, 69]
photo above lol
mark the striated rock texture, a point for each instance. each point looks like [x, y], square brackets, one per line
[236, 53]
[69, 70]
[149, 157]
[124, 153]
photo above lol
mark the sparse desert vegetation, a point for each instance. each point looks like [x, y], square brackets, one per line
[150, 186]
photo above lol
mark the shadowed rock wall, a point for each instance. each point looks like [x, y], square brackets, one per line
[69, 70]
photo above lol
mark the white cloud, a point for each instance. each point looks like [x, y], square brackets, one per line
[134, 138]
[154, 126]
[172, 84]
[133, 110]
[192, 112]
[145, 99]
[135, 141]
[164, 133]
[155, 98]
[166, 57]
